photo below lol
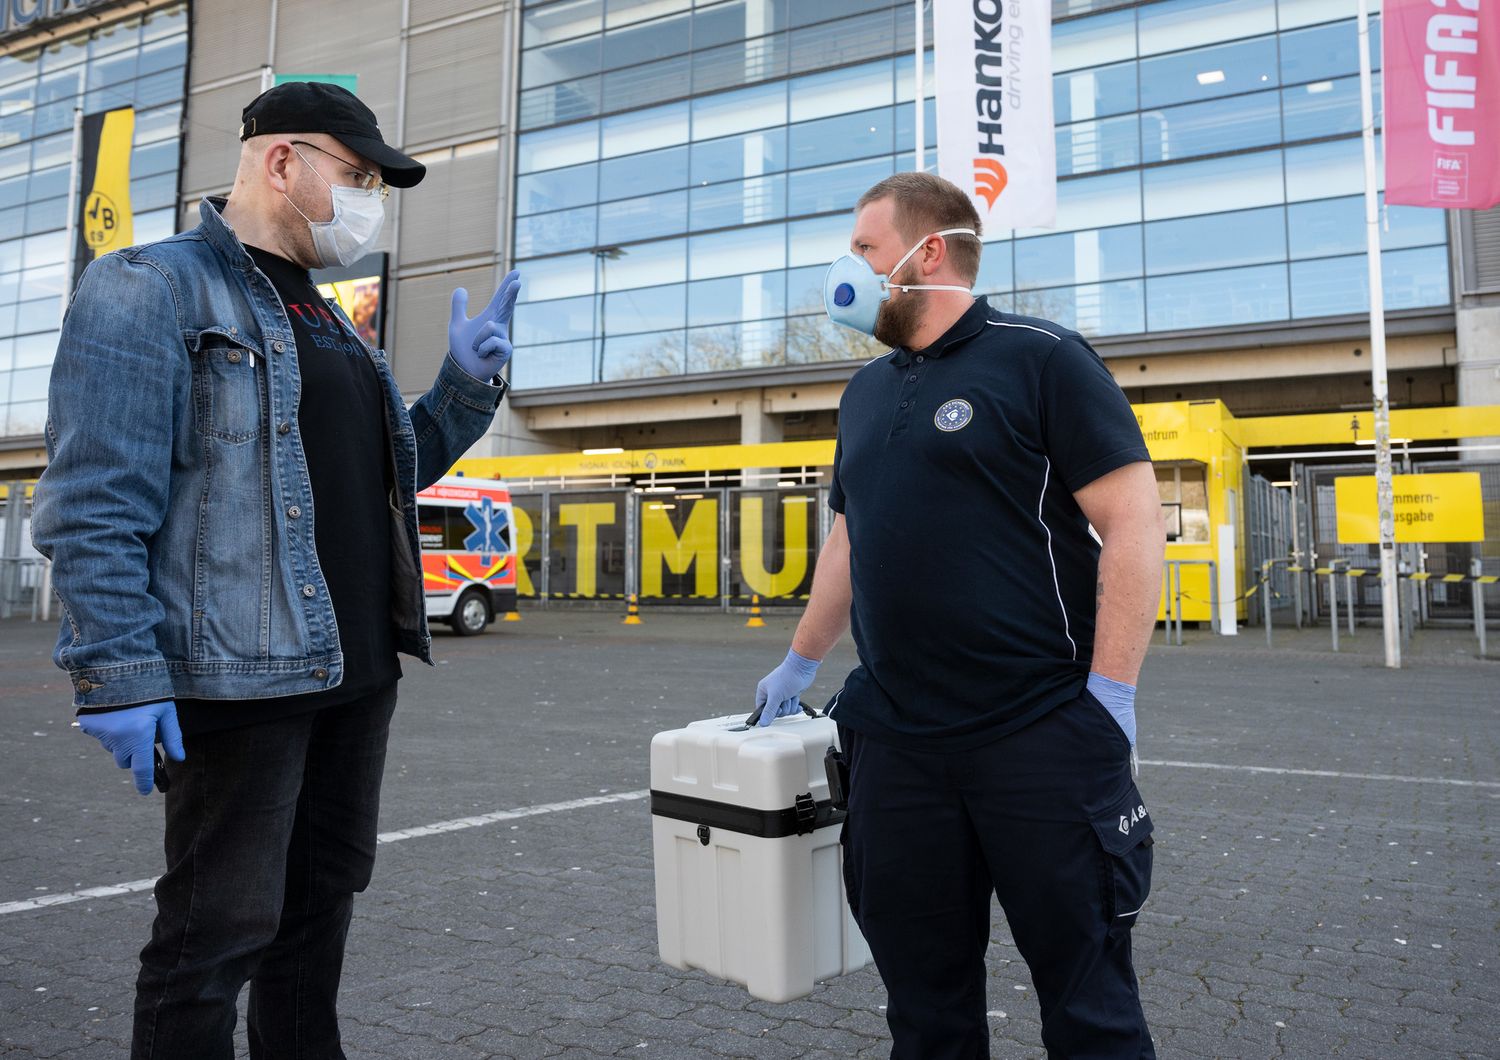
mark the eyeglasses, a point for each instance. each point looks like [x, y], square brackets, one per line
[368, 182]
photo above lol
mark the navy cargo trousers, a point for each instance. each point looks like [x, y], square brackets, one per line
[1048, 819]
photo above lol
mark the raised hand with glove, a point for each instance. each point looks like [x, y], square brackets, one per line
[481, 345]
[779, 692]
[131, 735]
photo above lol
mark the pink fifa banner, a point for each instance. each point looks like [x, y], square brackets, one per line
[1442, 102]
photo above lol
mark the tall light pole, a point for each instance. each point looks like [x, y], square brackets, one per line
[919, 94]
[1379, 388]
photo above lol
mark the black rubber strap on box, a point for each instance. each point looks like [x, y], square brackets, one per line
[803, 818]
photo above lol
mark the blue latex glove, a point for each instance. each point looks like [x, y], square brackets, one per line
[131, 734]
[1119, 699]
[778, 693]
[481, 346]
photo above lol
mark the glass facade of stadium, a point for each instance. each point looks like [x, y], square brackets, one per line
[131, 59]
[685, 172]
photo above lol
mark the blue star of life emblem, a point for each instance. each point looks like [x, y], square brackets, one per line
[490, 524]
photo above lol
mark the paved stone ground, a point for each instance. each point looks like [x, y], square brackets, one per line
[1328, 858]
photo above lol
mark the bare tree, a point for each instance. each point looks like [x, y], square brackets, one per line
[812, 339]
[649, 361]
[817, 340]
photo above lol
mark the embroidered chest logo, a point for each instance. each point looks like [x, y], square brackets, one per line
[954, 415]
[1129, 821]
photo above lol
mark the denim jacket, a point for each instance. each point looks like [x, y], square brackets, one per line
[176, 506]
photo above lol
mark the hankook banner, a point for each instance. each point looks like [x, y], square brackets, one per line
[994, 108]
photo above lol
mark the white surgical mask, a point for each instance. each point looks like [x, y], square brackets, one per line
[355, 226]
[853, 291]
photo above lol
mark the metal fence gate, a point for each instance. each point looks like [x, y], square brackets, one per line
[23, 571]
[1454, 602]
[1270, 536]
[1421, 601]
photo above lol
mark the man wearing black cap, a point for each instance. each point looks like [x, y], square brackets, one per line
[230, 509]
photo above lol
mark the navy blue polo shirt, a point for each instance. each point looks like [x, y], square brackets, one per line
[973, 569]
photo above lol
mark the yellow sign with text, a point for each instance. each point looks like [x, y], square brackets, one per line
[1164, 427]
[1428, 508]
[798, 544]
[694, 550]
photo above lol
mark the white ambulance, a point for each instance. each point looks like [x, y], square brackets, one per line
[468, 552]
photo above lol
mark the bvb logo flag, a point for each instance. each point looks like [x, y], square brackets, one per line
[994, 108]
[104, 222]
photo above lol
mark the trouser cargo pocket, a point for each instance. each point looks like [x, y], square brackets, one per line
[1124, 832]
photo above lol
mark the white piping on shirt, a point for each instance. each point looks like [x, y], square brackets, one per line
[1046, 475]
[1004, 324]
[1056, 586]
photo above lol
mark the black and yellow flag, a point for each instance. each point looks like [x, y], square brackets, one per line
[104, 221]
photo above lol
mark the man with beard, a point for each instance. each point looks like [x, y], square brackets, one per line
[989, 727]
[230, 510]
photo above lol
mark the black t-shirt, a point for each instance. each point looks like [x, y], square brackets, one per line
[342, 421]
[972, 567]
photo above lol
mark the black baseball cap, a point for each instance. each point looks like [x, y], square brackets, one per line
[319, 107]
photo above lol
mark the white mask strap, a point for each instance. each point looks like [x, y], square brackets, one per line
[930, 287]
[315, 173]
[922, 243]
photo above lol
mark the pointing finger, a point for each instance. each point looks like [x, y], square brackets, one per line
[504, 299]
[171, 736]
[143, 767]
[460, 312]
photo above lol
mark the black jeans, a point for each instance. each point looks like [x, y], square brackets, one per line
[270, 832]
[1049, 820]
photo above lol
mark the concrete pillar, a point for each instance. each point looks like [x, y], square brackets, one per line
[1478, 367]
[758, 427]
[509, 436]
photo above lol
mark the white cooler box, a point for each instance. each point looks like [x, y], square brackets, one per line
[749, 873]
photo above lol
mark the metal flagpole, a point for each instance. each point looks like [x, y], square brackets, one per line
[73, 177]
[1379, 391]
[920, 96]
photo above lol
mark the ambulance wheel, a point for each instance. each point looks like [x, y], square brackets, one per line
[472, 614]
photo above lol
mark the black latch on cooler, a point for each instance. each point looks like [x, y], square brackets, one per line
[807, 813]
[836, 766]
[703, 834]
